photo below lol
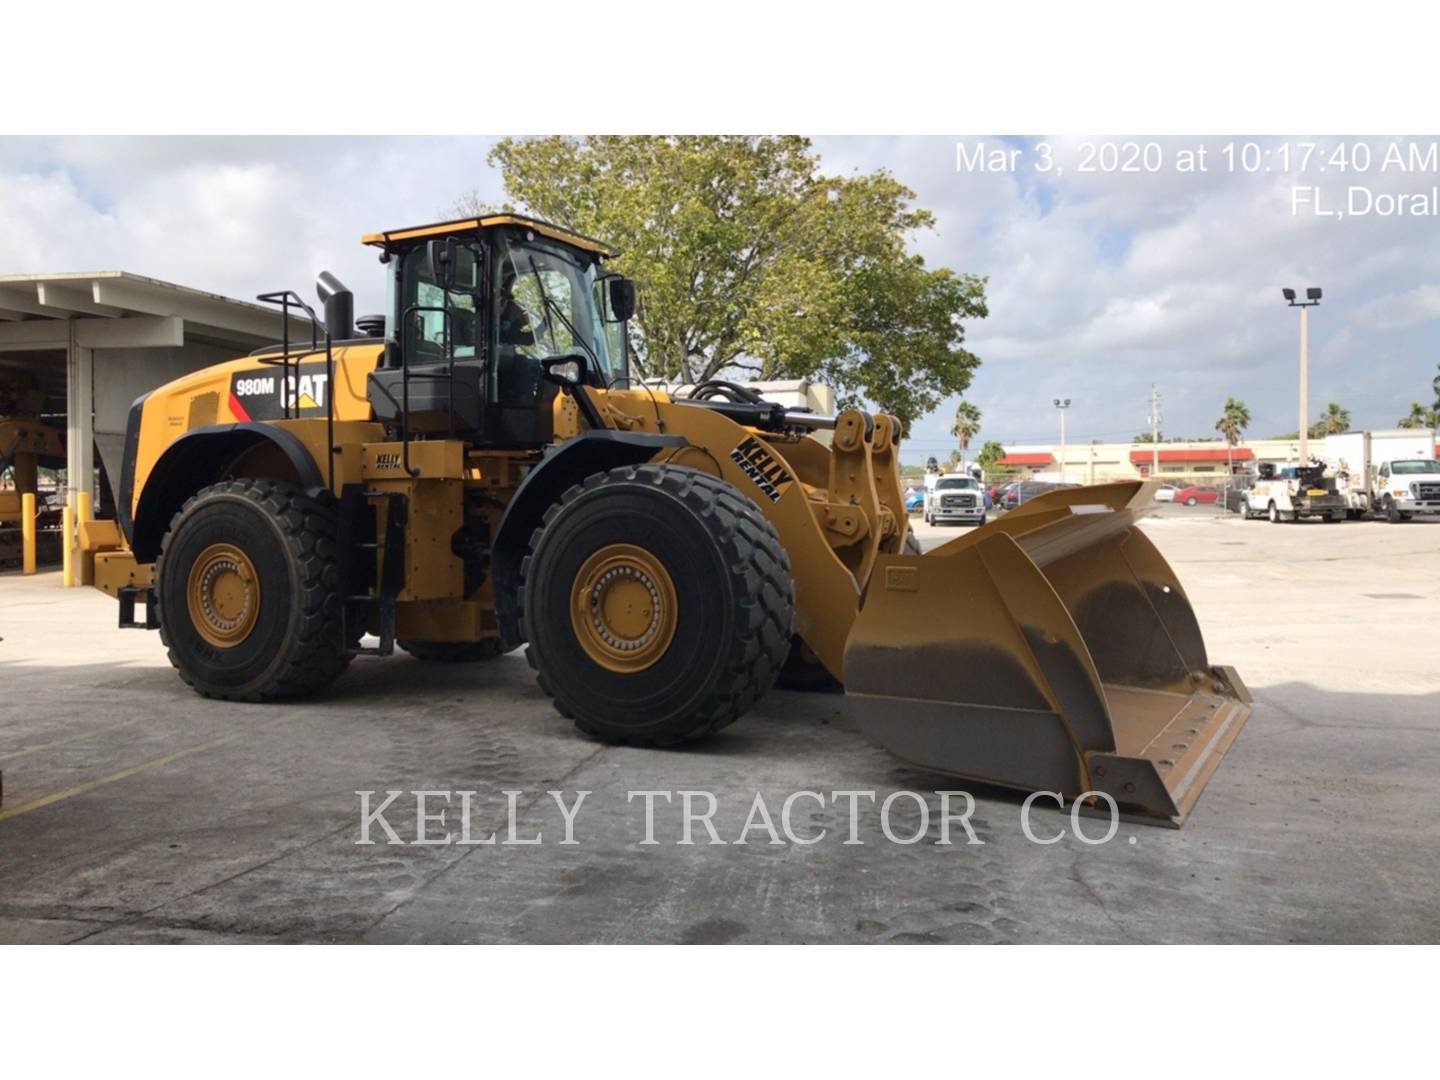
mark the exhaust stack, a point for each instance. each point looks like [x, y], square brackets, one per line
[339, 306]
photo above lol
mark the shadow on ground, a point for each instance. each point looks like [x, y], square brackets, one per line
[137, 811]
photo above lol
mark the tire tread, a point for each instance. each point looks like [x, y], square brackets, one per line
[316, 655]
[759, 569]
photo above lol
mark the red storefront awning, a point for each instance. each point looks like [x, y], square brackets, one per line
[1026, 459]
[1145, 457]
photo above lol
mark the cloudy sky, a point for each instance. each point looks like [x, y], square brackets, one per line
[1101, 282]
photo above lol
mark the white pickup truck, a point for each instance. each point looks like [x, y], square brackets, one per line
[954, 497]
[1292, 491]
[1391, 473]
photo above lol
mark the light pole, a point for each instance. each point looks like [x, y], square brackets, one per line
[1062, 404]
[1312, 298]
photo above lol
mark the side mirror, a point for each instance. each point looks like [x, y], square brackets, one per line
[440, 251]
[622, 298]
[565, 371]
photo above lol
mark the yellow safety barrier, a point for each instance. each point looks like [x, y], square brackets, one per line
[82, 568]
[67, 542]
[27, 533]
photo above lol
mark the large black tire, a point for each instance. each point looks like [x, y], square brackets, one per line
[734, 602]
[452, 652]
[293, 646]
[1392, 512]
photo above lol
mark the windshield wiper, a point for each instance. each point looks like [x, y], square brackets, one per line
[552, 306]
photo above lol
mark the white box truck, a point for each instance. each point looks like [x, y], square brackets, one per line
[1392, 473]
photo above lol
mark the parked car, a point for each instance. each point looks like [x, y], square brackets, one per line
[1166, 493]
[915, 501]
[1194, 495]
[1235, 495]
[1023, 492]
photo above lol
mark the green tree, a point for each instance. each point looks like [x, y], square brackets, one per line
[989, 454]
[1234, 419]
[965, 427]
[1147, 437]
[1335, 419]
[1421, 417]
[751, 261]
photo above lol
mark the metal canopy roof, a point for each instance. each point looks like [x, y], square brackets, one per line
[485, 221]
[28, 302]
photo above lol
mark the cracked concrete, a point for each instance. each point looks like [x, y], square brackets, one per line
[136, 811]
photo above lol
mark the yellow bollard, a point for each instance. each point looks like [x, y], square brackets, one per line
[27, 532]
[83, 568]
[67, 544]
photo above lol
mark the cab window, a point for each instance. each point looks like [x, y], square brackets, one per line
[545, 305]
[426, 307]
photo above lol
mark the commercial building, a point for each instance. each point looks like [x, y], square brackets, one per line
[1195, 462]
[86, 345]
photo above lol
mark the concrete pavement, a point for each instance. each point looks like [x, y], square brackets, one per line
[136, 811]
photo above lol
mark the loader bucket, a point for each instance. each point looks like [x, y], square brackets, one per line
[1051, 650]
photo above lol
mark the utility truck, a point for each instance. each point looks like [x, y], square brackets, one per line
[1392, 473]
[1292, 491]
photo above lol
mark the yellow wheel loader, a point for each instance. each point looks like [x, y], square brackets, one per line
[477, 469]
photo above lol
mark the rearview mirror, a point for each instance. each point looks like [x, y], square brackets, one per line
[440, 252]
[622, 298]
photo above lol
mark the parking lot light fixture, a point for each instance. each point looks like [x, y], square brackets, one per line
[1312, 298]
[1062, 404]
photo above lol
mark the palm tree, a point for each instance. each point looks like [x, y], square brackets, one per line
[1421, 417]
[1232, 423]
[989, 454]
[966, 427]
[1335, 419]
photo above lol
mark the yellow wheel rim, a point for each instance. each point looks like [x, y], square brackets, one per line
[623, 608]
[223, 594]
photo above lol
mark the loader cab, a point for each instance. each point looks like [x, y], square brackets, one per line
[477, 309]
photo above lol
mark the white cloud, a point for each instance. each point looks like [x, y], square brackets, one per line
[1400, 311]
[1175, 279]
[1099, 283]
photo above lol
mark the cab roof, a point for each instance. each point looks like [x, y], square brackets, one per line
[464, 225]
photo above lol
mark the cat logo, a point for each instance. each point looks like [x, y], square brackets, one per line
[272, 395]
[765, 470]
[387, 461]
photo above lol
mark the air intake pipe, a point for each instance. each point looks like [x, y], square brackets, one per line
[339, 306]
